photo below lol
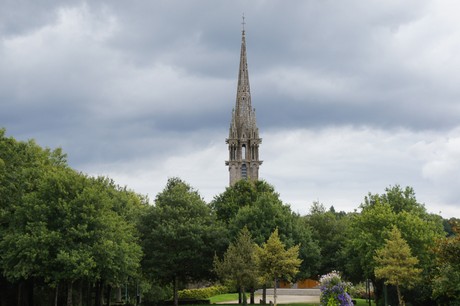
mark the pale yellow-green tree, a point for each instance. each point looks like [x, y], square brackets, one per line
[275, 262]
[395, 263]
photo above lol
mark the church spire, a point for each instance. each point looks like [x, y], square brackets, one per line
[243, 140]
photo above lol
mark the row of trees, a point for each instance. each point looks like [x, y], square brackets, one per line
[62, 233]
[69, 238]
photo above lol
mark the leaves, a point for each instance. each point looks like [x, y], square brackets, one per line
[180, 234]
[239, 262]
[394, 262]
[274, 261]
[60, 225]
[446, 280]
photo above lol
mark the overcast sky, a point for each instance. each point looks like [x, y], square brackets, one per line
[351, 96]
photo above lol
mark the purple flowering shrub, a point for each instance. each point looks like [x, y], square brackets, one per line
[334, 291]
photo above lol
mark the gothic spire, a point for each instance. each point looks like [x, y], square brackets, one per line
[243, 92]
[243, 141]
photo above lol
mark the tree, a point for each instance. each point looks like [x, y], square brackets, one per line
[59, 226]
[266, 214]
[329, 228]
[239, 263]
[446, 277]
[22, 168]
[243, 193]
[180, 236]
[396, 265]
[275, 262]
[368, 230]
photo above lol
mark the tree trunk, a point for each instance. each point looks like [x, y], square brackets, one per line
[264, 294]
[240, 297]
[20, 285]
[176, 293]
[274, 292]
[89, 291]
[400, 297]
[378, 289]
[26, 293]
[98, 295]
[30, 292]
[252, 296]
[80, 293]
[245, 299]
[119, 298]
[69, 293]
[109, 294]
[56, 295]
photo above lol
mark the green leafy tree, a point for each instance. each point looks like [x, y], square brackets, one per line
[180, 236]
[22, 167]
[275, 262]
[243, 193]
[368, 230]
[396, 265]
[446, 276]
[266, 214]
[239, 263]
[58, 226]
[113, 236]
[329, 229]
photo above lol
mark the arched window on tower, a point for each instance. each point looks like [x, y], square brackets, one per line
[243, 152]
[244, 171]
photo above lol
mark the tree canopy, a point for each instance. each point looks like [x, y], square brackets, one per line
[180, 236]
[446, 280]
[59, 226]
[239, 263]
[275, 262]
[368, 230]
[66, 236]
[329, 229]
[262, 211]
[395, 263]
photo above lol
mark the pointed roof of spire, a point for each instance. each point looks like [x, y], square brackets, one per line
[243, 118]
[244, 94]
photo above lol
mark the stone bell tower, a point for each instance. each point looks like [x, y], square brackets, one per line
[243, 139]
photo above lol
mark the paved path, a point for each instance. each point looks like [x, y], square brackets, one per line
[285, 296]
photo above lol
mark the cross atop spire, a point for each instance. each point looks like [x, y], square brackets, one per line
[243, 23]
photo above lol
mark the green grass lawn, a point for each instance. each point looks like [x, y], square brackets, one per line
[224, 298]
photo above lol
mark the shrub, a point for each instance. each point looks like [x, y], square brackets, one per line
[359, 291]
[334, 291]
[202, 293]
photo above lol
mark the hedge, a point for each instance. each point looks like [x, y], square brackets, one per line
[202, 293]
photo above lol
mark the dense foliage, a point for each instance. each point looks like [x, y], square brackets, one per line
[180, 236]
[446, 280]
[275, 262]
[395, 263]
[256, 206]
[369, 229]
[68, 238]
[60, 228]
[329, 229]
[238, 265]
